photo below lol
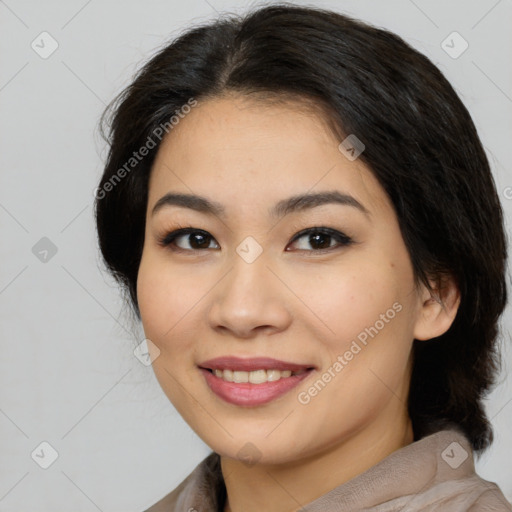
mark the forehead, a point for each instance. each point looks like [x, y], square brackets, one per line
[245, 152]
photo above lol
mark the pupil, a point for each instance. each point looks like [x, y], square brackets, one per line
[202, 240]
[313, 239]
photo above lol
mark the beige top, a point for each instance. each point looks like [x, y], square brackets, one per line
[436, 473]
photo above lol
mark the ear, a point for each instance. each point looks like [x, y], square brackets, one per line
[437, 308]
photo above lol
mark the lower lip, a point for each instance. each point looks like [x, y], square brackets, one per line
[246, 393]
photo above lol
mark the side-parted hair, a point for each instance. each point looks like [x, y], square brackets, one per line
[420, 143]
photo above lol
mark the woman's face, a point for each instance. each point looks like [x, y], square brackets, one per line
[340, 299]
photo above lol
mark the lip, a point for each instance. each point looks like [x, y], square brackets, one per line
[252, 364]
[249, 394]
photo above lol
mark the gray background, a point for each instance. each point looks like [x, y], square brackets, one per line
[67, 369]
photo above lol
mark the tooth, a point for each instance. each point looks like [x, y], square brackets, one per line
[255, 376]
[240, 376]
[228, 375]
[273, 375]
[258, 376]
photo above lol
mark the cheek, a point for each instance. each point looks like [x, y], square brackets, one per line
[351, 298]
[165, 299]
[166, 302]
[366, 310]
[366, 335]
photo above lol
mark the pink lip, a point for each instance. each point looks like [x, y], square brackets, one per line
[251, 364]
[248, 394]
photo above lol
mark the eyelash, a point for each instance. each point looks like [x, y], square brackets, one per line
[167, 240]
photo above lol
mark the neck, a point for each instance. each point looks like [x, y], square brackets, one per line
[289, 486]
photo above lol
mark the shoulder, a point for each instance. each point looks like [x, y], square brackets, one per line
[491, 498]
[456, 481]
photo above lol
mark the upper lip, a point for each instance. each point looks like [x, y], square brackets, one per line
[251, 364]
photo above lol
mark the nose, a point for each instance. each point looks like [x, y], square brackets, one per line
[249, 300]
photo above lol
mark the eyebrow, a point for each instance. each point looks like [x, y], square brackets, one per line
[284, 207]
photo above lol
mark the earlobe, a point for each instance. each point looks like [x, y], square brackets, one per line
[437, 310]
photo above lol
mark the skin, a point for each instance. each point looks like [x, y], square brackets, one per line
[291, 303]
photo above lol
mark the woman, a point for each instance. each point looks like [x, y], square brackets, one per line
[304, 218]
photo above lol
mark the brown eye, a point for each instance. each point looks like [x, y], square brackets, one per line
[320, 239]
[196, 239]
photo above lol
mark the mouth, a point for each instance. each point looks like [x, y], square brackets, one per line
[252, 382]
[255, 370]
[255, 376]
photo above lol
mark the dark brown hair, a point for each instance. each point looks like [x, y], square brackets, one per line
[421, 144]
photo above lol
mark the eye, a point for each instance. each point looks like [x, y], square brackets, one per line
[196, 238]
[321, 238]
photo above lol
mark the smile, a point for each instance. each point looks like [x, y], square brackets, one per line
[254, 377]
[252, 394]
